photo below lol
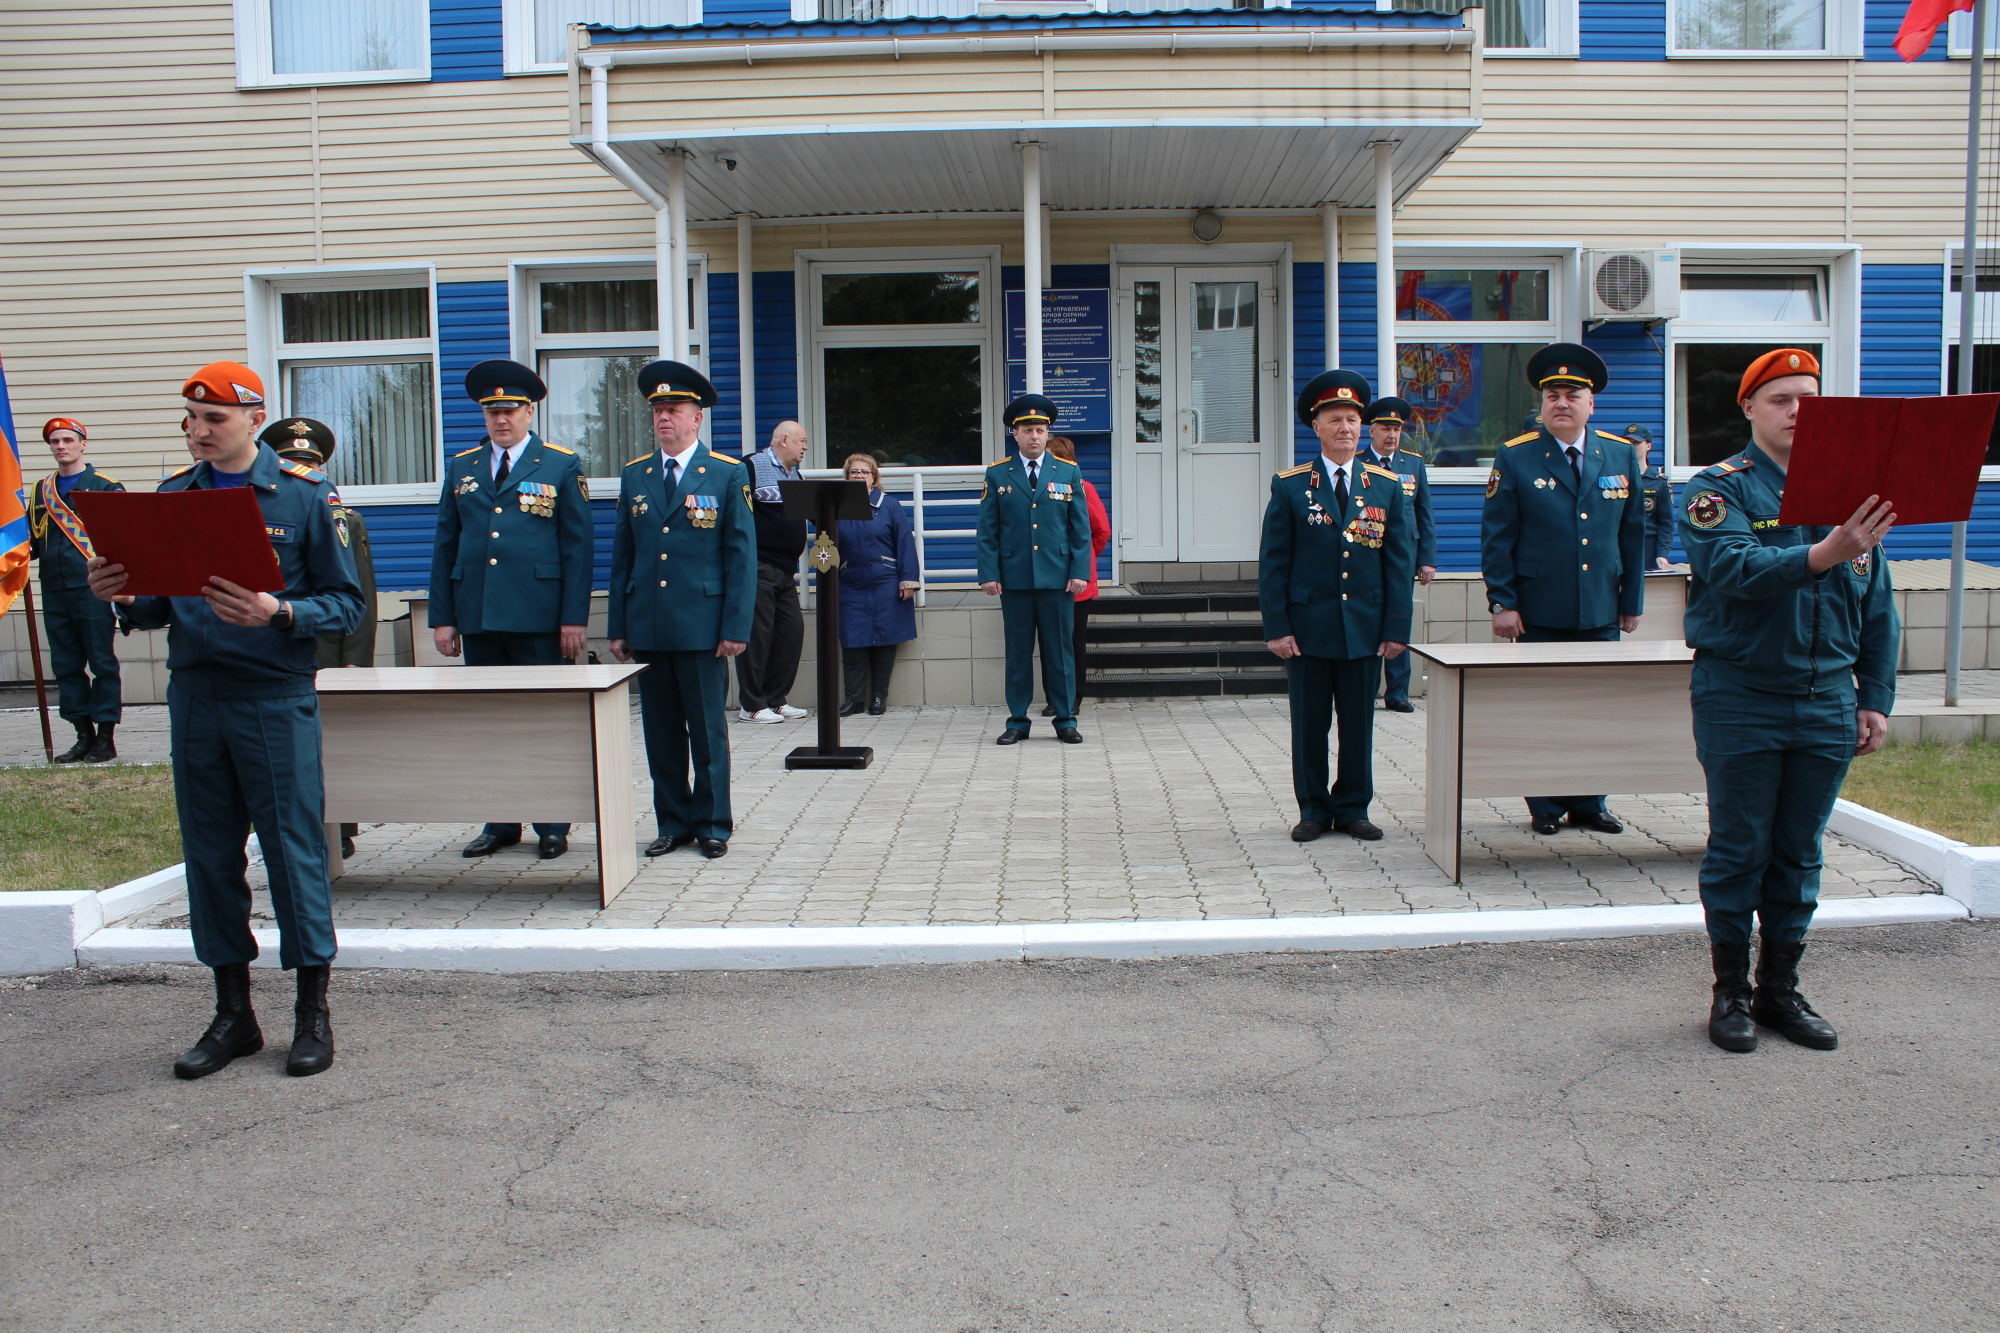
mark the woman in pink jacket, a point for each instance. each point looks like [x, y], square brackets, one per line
[1100, 537]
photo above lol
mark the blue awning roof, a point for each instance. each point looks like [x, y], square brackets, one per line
[1332, 17]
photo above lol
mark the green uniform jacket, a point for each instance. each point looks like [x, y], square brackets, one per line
[1415, 476]
[683, 566]
[1757, 614]
[516, 561]
[216, 659]
[1564, 560]
[63, 566]
[358, 648]
[1342, 585]
[1659, 515]
[1038, 540]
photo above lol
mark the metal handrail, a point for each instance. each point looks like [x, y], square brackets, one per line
[915, 482]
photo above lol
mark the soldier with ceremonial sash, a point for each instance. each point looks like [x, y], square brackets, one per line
[81, 628]
[1335, 575]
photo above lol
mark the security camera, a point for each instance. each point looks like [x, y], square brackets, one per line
[729, 162]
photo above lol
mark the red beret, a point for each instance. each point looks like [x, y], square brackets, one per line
[225, 382]
[63, 423]
[1775, 365]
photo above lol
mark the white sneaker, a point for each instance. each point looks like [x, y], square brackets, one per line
[791, 712]
[767, 715]
[745, 715]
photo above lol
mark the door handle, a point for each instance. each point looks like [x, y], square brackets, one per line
[1190, 429]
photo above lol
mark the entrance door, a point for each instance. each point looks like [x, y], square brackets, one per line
[1202, 410]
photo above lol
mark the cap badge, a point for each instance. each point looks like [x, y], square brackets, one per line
[1795, 361]
[245, 395]
[1562, 370]
[1343, 393]
[201, 391]
[301, 428]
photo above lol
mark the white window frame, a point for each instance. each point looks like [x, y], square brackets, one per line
[1958, 36]
[264, 326]
[1563, 325]
[1839, 333]
[253, 55]
[517, 38]
[1562, 27]
[1843, 38]
[1989, 257]
[988, 333]
[526, 342]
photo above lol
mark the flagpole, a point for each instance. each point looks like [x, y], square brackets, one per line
[35, 655]
[1968, 302]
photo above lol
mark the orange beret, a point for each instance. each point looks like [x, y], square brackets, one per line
[63, 423]
[1775, 365]
[225, 382]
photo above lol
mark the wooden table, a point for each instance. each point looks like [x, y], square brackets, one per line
[1552, 719]
[407, 745]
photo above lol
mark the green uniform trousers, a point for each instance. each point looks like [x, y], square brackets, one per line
[81, 630]
[1048, 614]
[1322, 688]
[1775, 763]
[681, 711]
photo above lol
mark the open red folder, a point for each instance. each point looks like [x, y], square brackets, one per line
[172, 544]
[1920, 454]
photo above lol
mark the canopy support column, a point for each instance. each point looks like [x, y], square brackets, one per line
[677, 220]
[1329, 221]
[1031, 260]
[1385, 268]
[746, 335]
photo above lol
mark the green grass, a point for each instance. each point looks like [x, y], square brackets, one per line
[85, 828]
[1948, 789]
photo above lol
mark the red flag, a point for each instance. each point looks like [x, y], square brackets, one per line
[1921, 23]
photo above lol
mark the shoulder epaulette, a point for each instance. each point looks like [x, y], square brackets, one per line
[1723, 469]
[640, 459]
[1522, 439]
[180, 472]
[558, 448]
[1001, 461]
[473, 450]
[725, 458]
[1295, 471]
[1607, 435]
[300, 470]
[106, 476]
[1380, 471]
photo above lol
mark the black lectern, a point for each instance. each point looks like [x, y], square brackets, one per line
[825, 504]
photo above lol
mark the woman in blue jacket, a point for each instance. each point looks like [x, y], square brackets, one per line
[878, 584]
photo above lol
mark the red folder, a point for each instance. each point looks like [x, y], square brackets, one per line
[172, 544]
[1921, 454]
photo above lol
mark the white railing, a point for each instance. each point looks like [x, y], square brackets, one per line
[920, 485]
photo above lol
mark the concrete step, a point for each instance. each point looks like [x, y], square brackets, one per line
[1206, 684]
[1175, 631]
[1172, 606]
[1194, 657]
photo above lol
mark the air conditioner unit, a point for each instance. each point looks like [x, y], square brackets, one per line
[1633, 284]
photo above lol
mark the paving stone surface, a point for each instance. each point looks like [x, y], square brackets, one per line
[1169, 811]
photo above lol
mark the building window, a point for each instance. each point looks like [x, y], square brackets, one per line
[902, 359]
[1729, 318]
[1463, 338]
[1985, 339]
[1513, 27]
[1958, 34]
[1766, 27]
[536, 32]
[284, 43]
[363, 361]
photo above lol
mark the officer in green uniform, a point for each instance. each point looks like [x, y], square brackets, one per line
[1385, 419]
[1795, 637]
[511, 566]
[1034, 555]
[683, 598]
[1335, 571]
[81, 628]
[1659, 491]
[303, 440]
[245, 721]
[1562, 535]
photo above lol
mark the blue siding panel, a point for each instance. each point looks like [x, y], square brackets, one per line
[725, 421]
[763, 13]
[465, 40]
[1622, 29]
[777, 350]
[1636, 395]
[1308, 348]
[1902, 329]
[472, 327]
[1880, 20]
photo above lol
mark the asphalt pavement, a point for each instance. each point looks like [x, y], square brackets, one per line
[1530, 1136]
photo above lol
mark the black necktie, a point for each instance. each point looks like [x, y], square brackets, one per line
[1034, 471]
[673, 475]
[1340, 489]
[1575, 461]
[500, 477]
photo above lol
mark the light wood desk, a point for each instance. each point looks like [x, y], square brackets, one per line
[1666, 606]
[1552, 719]
[407, 745]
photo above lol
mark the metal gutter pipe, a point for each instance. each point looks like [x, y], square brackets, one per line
[663, 231]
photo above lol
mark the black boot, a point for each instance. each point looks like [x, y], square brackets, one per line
[850, 707]
[104, 747]
[234, 1031]
[878, 706]
[1729, 1024]
[312, 1038]
[85, 735]
[1777, 1002]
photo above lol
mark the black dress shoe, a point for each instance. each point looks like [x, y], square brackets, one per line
[552, 846]
[1600, 821]
[232, 1034]
[713, 847]
[312, 1035]
[665, 843]
[1306, 830]
[488, 843]
[1048, 710]
[1399, 705]
[877, 706]
[1545, 824]
[850, 708]
[347, 849]
[1069, 735]
[1360, 828]
[1010, 737]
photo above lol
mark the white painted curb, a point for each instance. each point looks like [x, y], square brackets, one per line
[39, 932]
[774, 947]
[1969, 874]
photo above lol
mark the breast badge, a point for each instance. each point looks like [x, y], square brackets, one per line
[1862, 563]
[1707, 510]
[1409, 483]
[638, 506]
[538, 498]
[703, 510]
[1492, 483]
[467, 484]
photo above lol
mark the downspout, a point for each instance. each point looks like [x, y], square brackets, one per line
[746, 335]
[663, 234]
[678, 240]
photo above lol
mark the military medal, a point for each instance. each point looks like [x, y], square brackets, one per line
[703, 510]
[538, 498]
[1614, 487]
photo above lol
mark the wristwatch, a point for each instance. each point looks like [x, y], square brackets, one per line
[281, 619]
